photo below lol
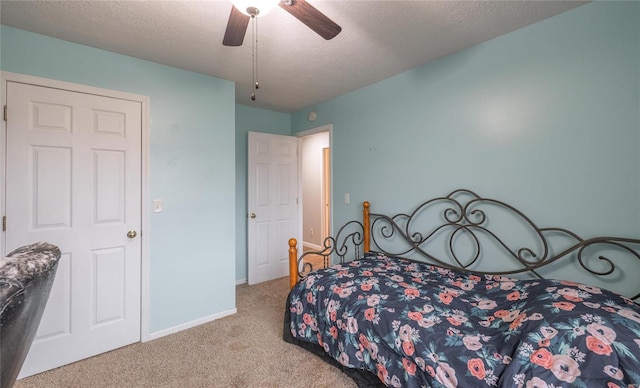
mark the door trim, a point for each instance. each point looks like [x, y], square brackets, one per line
[325, 215]
[145, 172]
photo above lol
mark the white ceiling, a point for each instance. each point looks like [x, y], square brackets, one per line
[297, 68]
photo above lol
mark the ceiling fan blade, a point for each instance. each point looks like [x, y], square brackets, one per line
[312, 18]
[236, 28]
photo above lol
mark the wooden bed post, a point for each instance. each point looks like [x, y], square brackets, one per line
[293, 262]
[367, 227]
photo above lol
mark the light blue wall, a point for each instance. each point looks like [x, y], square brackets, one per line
[546, 117]
[548, 114]
[192, 146]
[249, 119]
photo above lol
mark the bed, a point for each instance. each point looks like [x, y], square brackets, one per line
[459, 292]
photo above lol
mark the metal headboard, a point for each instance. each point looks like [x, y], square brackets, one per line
[465, 216]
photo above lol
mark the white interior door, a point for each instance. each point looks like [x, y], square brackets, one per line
[73, 178]
[272, 204]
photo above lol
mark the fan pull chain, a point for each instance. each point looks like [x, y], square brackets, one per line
[254, 28]
[255, 81]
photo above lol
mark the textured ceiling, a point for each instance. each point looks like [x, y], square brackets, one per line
[297, 68]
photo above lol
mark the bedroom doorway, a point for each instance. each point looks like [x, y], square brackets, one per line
[315, 188]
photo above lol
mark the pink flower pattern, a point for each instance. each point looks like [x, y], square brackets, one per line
[414, 325]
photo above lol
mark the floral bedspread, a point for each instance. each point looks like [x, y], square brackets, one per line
[418, 325]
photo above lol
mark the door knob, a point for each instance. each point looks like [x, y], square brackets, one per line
[132, 234]
[253, 215]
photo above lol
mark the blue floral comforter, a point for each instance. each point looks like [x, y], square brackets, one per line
[417, 325]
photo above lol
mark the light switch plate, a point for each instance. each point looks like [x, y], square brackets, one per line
[157, 205]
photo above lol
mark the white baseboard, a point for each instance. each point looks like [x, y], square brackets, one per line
[241, 281]
[311, 245]
[189, 325]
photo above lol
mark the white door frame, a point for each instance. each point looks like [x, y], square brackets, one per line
[300, 135]
[145, 208]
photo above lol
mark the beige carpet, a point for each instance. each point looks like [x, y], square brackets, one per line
[242, 350]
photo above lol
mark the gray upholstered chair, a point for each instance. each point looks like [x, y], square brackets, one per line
[26, 277]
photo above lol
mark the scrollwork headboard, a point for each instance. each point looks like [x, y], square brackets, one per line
[464, 231]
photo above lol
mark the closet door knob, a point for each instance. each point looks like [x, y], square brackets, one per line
[253, 215]
[132, 234]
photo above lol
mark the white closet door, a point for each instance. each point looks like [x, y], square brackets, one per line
[74, 180]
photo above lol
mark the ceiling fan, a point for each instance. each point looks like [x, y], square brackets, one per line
[244, 10]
